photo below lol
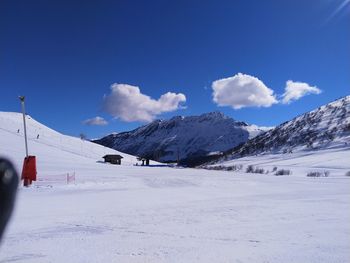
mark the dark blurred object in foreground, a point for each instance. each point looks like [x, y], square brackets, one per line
[8, 188]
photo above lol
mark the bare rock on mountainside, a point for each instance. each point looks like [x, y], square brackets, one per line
[189, 139]
[326, 127]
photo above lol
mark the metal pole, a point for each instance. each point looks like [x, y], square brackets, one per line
[24, 123]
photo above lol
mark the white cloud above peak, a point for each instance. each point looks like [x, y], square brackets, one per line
[242, 90]
[127, 103]
[99, 121]
[296, 90]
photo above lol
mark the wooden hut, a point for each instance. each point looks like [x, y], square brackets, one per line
[113, 158]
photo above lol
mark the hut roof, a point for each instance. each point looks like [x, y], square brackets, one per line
[117, 156]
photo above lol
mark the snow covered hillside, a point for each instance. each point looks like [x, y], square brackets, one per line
[188, 139]
[327, 127]
[55, 152]
[326, 162]
[135, 214]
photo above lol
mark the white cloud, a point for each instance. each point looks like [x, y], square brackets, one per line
[296, 90]
[129, 104]
[96, 121]
[241, 91]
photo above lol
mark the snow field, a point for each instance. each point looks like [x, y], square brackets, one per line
[173, 215]
[157, 214]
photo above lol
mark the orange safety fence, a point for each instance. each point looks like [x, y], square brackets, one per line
[55, 179]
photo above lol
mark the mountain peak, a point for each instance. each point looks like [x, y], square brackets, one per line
[323, 128]
[214, 114]
[183, 138]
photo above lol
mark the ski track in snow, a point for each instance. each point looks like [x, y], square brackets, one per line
[216, 217]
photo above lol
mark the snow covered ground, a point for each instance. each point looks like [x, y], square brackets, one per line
[55, 152]
[336, 161]
[158, 214]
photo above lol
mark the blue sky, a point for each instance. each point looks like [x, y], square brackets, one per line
[64, 56]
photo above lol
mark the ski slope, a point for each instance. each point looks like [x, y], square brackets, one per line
[158, 214]
[55, 152]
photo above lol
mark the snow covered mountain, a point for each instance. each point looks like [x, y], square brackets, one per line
[327, 127]
[187, 139]
[126, 213]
